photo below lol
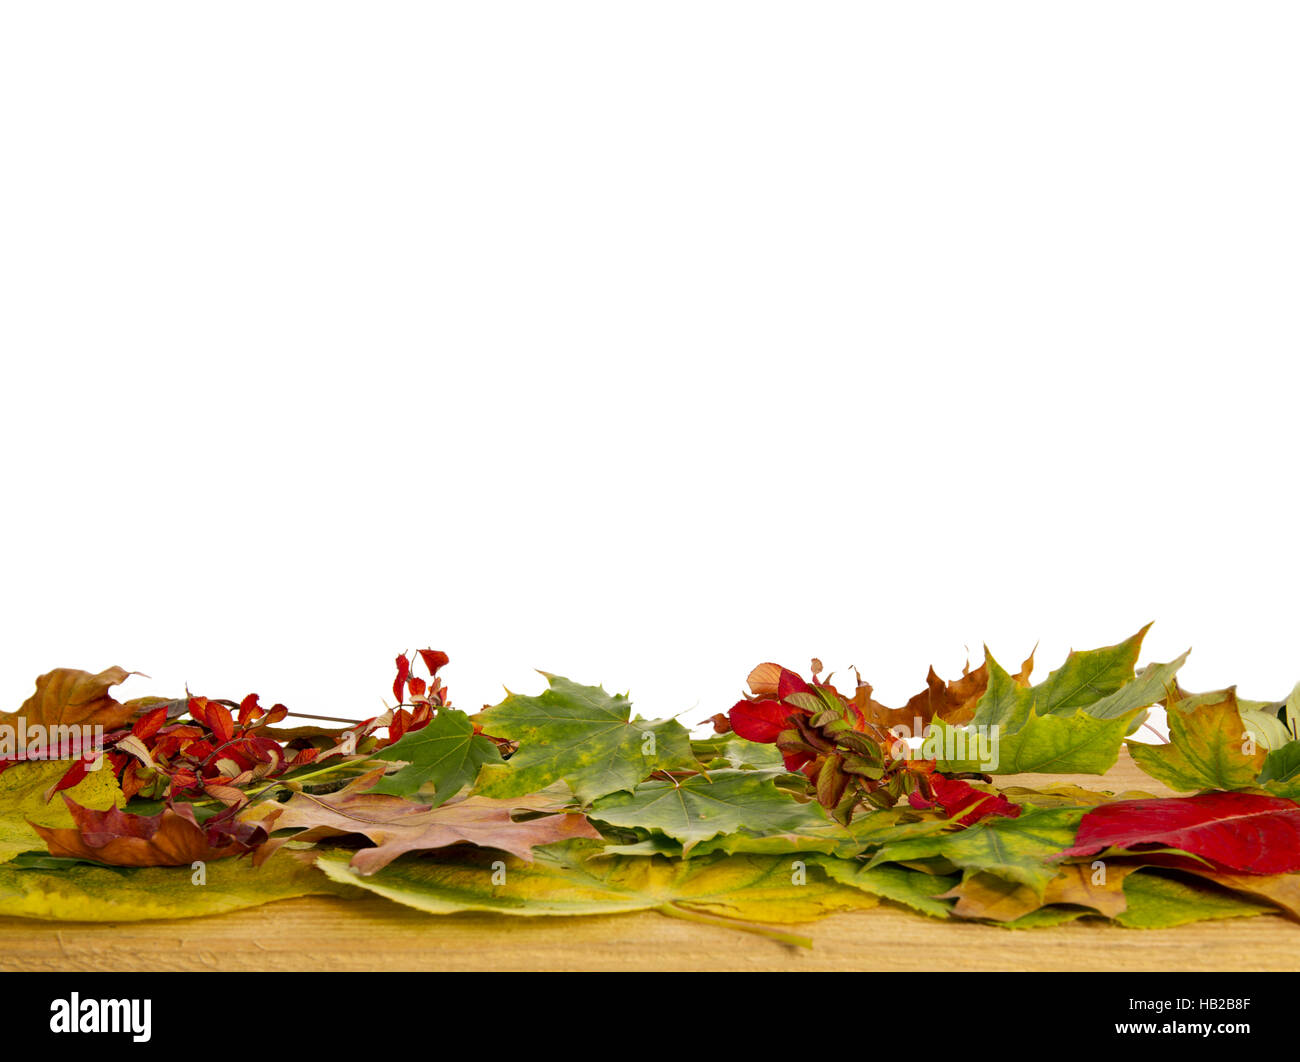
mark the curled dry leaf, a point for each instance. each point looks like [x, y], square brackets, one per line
[397, 826]
[172, 838]
[1281, 889]
[984, 895]
[68, 697]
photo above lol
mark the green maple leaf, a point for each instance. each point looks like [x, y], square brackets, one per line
[1281, 773]
[1100, 682]
[1151, 684]
[1016, 849]
[1207, 749]
[912, 888]
[820, 835]
[444, 757]
[702, 806]
[580, 734]
[1051, 744]
[730, 750]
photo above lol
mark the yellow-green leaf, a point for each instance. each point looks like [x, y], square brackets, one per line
[703, 806]
[562, 880]
[1050, 744]
[580, 734]
[22, 800]
[84, 893]
[1209, 748]
[1015, 849]
[1090, 680]
[912, 888]
[1158, 902]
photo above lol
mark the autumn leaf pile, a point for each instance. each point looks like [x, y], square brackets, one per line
[810, 797]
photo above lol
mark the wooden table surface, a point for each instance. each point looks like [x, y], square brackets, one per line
[318, 933]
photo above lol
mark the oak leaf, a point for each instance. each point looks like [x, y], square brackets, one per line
[397, 826]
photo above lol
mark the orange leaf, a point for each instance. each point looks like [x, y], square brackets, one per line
[67, 697]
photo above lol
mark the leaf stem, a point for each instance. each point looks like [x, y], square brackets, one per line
[722, 921]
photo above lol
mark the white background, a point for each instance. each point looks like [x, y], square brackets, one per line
[644, 342]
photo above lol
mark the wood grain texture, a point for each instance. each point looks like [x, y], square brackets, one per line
[372, 934]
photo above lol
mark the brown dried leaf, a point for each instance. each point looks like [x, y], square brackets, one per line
[764, 680]
[397, 826]
[172, 838]
[1281, 889]
[954, 702]
[1076, 884]
[984, 895]
[68, 697]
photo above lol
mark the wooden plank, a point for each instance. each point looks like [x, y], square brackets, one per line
[372, 934]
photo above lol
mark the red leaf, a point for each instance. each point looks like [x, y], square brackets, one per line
[183, 779]
[762, 721]
[960, 798]
[433, 660]
[216, 717]
[71, 776]
[399, 683]
[1238, 831]
[150, 723]
[791, 683]
[220, 722]
[249, 709]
